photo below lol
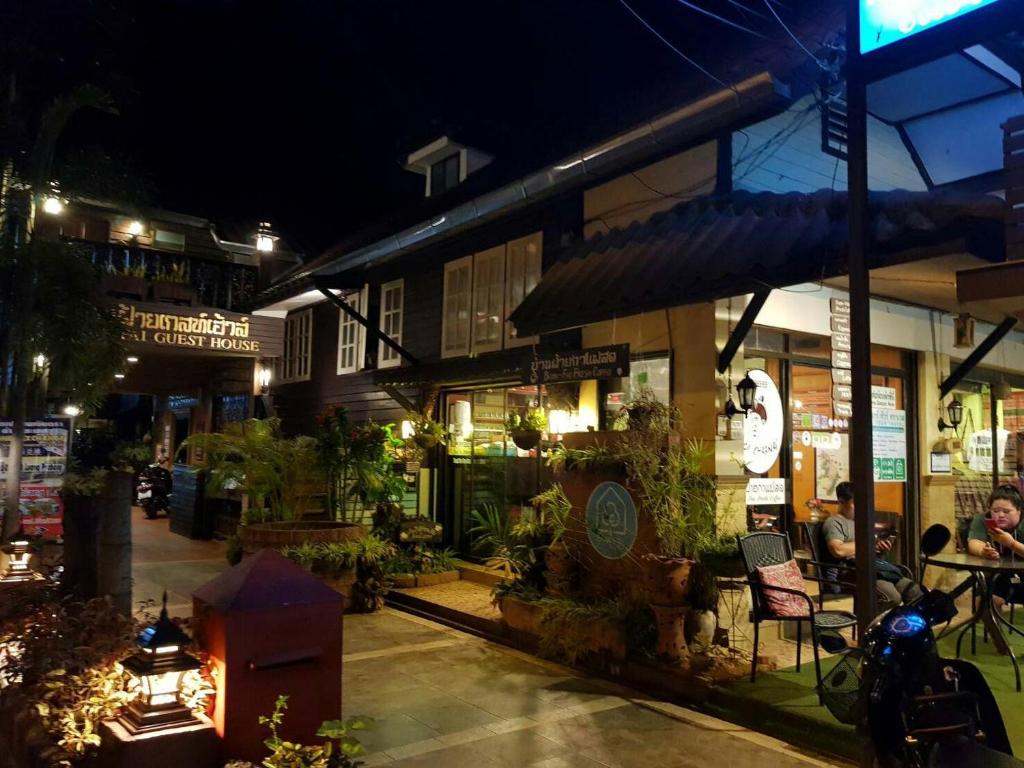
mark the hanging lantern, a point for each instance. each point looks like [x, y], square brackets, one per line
[158, 667]
[17, 570]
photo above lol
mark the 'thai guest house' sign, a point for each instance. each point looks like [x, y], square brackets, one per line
[191, 328]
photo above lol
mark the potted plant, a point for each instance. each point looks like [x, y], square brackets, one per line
[646, 413]
[552, 509]
[525, 429]
[427, 433]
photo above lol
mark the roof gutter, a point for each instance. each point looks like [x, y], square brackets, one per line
[698, 119]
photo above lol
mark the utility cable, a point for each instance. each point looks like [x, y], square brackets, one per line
[795, 39]
[722, 19]
[675, 50]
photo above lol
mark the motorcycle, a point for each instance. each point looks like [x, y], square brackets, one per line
[918, 709]
[154, 490]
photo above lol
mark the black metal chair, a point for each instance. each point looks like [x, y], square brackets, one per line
[763, 549]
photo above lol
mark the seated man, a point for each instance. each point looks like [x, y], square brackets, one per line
[893, 587]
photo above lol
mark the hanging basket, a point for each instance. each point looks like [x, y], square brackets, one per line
[526, 439]
[425, 441]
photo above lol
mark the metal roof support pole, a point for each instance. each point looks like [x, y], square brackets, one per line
[971, 361]
[861, 465]
[739, 333]
[372, 329]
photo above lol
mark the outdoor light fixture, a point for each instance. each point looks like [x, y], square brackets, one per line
[72, 410]
[135, 228]
[132, 359]
[263, 375]
[39, 362]
[118, 375]
[745, 391]
[53, 205]
[17, 570]
[955, 409]
[265, 238]
[157, 668]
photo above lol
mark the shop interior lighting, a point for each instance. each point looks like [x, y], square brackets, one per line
[53, 205]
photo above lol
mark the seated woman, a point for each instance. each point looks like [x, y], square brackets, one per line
[1003, 539]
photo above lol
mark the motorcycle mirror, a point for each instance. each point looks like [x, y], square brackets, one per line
[832, 642]
[935, 539]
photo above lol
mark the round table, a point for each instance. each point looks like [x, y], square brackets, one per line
[986, 570]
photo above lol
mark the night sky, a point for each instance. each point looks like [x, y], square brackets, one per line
[301, 112]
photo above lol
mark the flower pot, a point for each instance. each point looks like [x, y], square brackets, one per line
[526, 439]
[671, 623]
[667, 579]
[556, 585]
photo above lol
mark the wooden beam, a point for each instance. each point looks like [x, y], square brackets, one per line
[739, 333]
[995, 281]
[372, 329]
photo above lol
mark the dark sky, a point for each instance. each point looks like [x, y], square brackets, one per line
[301, 111]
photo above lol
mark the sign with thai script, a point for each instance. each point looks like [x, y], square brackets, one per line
[763, 491]
[594, 363]
[884, 22]
[204, 329]
[883, 397]
[43, 464]
[889, 445]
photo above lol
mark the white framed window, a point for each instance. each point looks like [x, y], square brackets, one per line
[522, 273]
[457, 307]
[298, 346]
[392, 298]
[488, 299]
[351, 334]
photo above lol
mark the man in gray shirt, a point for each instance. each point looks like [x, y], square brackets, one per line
[892, 585]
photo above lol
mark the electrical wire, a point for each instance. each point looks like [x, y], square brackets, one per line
[675, 50]
[722, 19]
[795, 39]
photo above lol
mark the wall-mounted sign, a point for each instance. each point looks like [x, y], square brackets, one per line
[884, 22]
[839, 306]
[843, 410]
[889, 445]
[841, 359]
[841, 341]
[611, 520]
[764, 491]
[43, 464]
[762, 426]
[941, 463]
[842, 392]
[842, 376]
[210, 330]
[840, 323]
[594, 363]
[883, 397]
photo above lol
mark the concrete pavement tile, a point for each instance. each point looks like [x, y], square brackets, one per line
[568, 761]
[475, 733]
[602, 704]
[513, 724]
[450, 716]
[518, 748]
[394, 731]
[461, 756]
[375, 760]
[416, 748]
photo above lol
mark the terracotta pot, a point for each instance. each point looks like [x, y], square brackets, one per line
[525, 439]
[667, 579]
[671, 622]
[257, 536]
[608, 638]
[520, 615]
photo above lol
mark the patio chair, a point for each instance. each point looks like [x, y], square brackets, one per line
[766, 549]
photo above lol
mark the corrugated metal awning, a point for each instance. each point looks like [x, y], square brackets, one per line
[730, 245]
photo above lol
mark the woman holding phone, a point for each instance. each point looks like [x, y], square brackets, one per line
[998, 534]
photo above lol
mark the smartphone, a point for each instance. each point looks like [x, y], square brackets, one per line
[991, 525]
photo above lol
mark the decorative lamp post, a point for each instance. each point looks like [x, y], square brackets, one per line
[158, 668]
[17, 570]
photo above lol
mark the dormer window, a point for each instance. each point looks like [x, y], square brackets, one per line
[445, 164]
[444, 175]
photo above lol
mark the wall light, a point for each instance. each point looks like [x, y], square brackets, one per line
[132, 359]
[72, 410]
[265, 238]
[53, 205]
[135, 228]
[39, 363]
[955, 410]
[263, 376]
[118, 375]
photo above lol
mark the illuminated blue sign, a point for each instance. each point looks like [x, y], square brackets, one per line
[883, 22]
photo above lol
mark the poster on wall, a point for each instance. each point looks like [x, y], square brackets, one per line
[889, 445]
[832, 464]
[43, 463]
[762, 426]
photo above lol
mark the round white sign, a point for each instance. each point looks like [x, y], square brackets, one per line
[762, 427]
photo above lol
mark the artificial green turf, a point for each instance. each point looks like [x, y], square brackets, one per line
[791, 696]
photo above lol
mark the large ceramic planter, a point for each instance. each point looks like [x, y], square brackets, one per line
[341, 581]
[257, 536]
[667, 579]
[671, 623]
[559, 560]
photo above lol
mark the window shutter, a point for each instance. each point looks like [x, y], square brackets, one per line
[457, 305]
[523, 274]
[350, 336]
[392, 296]
[488, 299]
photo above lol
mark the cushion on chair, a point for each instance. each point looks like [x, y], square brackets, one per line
[785, 575]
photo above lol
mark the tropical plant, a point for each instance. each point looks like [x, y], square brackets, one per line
[132, 456]
[176, 273]
[89, 483]
[531, 420]
[566, 623]
[495, 541]
[591, 458]
[547, 525]
[280, 474]
[233, 550]
[340, 751]
[426, 432]
[647, 413]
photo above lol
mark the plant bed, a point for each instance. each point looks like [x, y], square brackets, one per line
[411, 580]
[520, 615]
[257, 536]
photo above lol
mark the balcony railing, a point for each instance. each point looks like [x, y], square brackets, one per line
[175, 278]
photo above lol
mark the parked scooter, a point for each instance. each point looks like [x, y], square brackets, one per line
[918, 709]
[154, 490]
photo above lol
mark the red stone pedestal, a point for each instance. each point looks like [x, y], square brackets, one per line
[195, 746]
[671, 621]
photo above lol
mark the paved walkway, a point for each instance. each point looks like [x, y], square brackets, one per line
[444, 698]
[163, 560]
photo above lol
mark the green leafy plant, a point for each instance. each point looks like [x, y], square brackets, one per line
[547, 525]
[90, 483]
[592, 458]
[702, 589]
[567, 624]
[340, 751]
[133, 456]
[495, 541]
[647, 413]
[426, 432]
[280, 474]
[531, 420]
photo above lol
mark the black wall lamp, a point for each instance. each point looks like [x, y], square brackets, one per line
[745, 391]
[955, 410]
